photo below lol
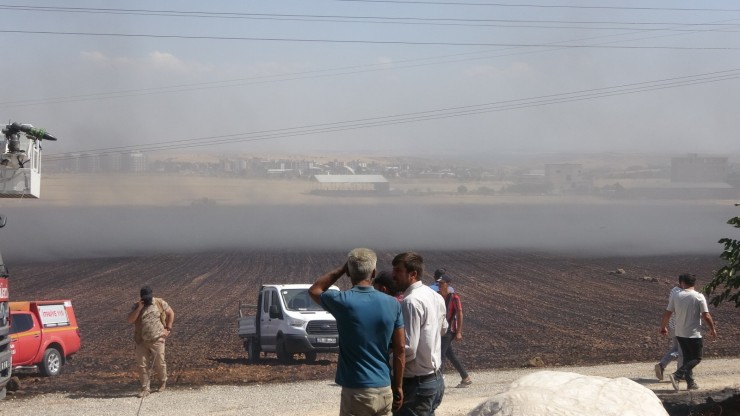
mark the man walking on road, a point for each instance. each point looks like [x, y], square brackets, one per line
[368, 322]
[425, 323]
[674, 352]
[690, 307]
[454, 332]
[152, 318]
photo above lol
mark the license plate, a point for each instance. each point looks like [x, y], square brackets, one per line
[4, 365]
[326, 340]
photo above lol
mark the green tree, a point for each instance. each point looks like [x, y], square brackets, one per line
[726, 281]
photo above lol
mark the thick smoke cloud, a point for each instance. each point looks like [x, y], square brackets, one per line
[45, 233]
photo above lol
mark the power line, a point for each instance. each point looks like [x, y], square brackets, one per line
[406, 63]
[443, 113]
[542, 6]
[358, 41]
[521, 23]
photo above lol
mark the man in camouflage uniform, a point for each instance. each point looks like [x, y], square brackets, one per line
[152, 318]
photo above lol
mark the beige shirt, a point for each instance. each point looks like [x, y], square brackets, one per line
[149, 326]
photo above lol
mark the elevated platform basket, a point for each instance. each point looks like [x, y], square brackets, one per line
[20, 183]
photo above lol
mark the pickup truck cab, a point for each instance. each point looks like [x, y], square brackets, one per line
[287, 321]
[43, 335]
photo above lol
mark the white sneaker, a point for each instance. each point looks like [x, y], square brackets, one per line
[674, 381]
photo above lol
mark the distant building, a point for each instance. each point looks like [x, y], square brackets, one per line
[134, 162]
[682, 190]
[694, 168]
[228, 166]
[89, 163]
[534, 176]
[70, 162]
[111, 162]
[566, 177]
[352, 183]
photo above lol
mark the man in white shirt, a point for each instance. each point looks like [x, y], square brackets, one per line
[425, 322]
[690, 308]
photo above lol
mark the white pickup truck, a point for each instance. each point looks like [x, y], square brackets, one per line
[286, 321]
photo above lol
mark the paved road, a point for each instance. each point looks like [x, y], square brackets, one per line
[319, 398]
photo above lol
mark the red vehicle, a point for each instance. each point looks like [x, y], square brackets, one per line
[4, 329]
[43, 334]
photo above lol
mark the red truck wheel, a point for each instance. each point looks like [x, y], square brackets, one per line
[52, 364]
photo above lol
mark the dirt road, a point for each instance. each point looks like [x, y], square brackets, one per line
[319, 398]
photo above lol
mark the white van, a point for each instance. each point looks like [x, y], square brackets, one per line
[287, 321]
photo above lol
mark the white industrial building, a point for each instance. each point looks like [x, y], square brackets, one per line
[352, 183]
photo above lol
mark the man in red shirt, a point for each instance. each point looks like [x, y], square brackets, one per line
[454, 333]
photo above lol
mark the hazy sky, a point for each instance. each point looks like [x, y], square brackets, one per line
[387, 78]
[382, 78]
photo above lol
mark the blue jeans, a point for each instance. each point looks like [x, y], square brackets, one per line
[449, 353]
[422, 395]
[673, 353]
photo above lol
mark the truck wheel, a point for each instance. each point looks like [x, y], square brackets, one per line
[253, 351]
[52, 364]
[310, 356]
[282, 352]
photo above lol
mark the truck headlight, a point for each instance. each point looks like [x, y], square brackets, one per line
[295, 322]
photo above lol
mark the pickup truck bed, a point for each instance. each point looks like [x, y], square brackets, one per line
[246, 327]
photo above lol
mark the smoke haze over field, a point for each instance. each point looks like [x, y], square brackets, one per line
[37, 234]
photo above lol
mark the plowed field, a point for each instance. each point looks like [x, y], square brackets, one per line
[518, 305]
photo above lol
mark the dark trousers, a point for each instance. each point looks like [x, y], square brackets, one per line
[422, 395]
[448, 352]
[691, 349]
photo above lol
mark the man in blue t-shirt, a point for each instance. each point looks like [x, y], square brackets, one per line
[368, 322]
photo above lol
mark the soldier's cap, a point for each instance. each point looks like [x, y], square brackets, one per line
[145, 292]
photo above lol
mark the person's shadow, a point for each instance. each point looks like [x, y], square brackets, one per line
[106, 392]
[31, 385]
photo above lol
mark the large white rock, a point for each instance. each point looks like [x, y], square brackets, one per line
[556, 393]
